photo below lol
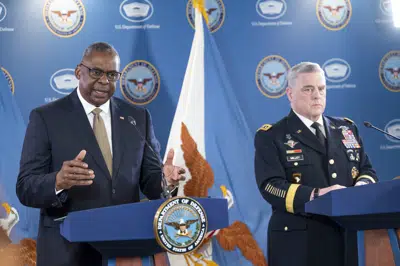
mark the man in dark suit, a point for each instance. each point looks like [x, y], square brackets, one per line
[301, 157]
[82, 152]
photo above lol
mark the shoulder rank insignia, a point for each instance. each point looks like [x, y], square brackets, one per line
[265, 127]
[348, 120]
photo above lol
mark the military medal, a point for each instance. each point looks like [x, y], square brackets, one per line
[297, 177]
[354, 172]
[291, 143]
[349, 140]
[350, 154]
[294, 151]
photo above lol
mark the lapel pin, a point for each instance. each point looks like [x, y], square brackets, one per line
[298, 131]
[121, 117]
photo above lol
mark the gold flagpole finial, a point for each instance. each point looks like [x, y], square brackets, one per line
[200, 5]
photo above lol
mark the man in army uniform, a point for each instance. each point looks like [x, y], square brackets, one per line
[301, 157]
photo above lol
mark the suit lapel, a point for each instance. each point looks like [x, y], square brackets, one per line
[118, 123]
[333, 134]
[85, 137]
[303, 134]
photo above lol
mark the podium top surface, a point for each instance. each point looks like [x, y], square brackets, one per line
[132, 221]
[373, 199]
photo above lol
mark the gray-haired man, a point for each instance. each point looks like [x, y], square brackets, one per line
[301, 157]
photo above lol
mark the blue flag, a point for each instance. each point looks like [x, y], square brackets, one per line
[19, 221]
[209, 131]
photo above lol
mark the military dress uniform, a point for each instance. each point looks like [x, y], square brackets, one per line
[290, 162]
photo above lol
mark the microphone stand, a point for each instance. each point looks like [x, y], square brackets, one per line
[166, 193]
[369, 125]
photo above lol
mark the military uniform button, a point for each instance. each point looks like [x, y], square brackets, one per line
[286, 228]
[296, 164]
[331, 161]
[334, 175]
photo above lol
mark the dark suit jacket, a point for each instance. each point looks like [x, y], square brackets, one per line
[289, 164]
[57, 132]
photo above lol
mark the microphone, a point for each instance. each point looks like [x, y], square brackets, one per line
[369, 125]
[166, 194]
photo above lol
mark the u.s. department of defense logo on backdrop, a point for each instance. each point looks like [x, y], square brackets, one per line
[272, 11]
[9, 79]
[386, 12]
[337, 72]
[3, 11]
[64, 18]
[136, 10]
[271, 75]
[386, 7]
[3, 15]
[180, 225]
[389, 71]
[215, 10]
[334, 14]
[64, 81]
[393, 128]
[140, 82]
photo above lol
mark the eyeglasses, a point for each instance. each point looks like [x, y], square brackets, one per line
[97, 73]
[309, 90]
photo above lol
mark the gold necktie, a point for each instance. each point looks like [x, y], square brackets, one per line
[101, 136]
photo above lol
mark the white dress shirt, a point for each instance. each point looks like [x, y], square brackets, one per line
[309, 122]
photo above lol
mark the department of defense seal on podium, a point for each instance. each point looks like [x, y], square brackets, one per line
[180, 225]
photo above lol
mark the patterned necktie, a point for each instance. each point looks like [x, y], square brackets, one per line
[318, 133]
[101, 136]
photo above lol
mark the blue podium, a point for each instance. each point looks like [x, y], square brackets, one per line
[372, 210]
[125, 232]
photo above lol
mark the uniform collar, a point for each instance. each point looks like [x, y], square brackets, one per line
[309, 122]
